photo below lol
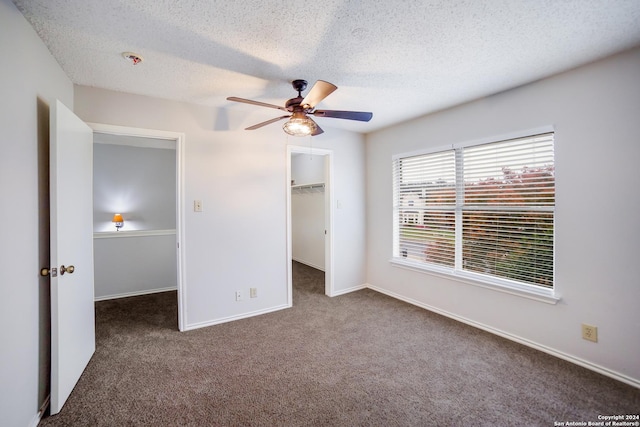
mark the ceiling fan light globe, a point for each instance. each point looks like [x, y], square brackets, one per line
[299, 126]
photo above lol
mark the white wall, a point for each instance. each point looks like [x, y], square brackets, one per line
[30, 81]
[138, 182]
[307, 168]
[595, 111]
[130, 263]
[240, 176]
[308, 210]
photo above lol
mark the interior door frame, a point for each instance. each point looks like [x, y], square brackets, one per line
[329, 216]
[179, 139]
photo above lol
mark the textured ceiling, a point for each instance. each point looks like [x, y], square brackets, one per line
[397, 58]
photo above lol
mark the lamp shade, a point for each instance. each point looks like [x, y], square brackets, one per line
[117, 218]
[299, 125]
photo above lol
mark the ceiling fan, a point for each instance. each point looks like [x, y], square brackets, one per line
[299, 123]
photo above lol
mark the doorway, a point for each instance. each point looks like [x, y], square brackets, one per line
[318, 252]
[171, 143]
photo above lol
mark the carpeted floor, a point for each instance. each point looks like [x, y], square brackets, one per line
[361, 359]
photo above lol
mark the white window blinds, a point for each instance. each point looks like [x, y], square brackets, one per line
[484, 209]
[425, 202]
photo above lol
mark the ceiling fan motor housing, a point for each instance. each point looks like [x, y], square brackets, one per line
[293, 103]
[299, 85]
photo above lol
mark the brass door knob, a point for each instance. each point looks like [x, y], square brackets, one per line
[46, 271]
[64, 269]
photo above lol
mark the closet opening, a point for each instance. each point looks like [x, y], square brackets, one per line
[309, 213]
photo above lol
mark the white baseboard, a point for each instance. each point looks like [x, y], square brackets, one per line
[38, 417]
[310, 264]
[36, 420]
[259, 312]
[135, 293]
[569, 358]
[348, 290]
[232, 318]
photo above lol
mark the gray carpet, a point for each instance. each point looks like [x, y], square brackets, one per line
[361, 359]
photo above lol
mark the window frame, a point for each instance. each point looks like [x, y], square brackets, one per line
[456, 273]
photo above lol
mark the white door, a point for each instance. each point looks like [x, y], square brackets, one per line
[72, 298]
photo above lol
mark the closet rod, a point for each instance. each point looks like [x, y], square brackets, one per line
[307, 186]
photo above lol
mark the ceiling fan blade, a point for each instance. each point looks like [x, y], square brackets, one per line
[318, 92]
[261, 104]
[318, 130]
[349, 115]
[268, 122]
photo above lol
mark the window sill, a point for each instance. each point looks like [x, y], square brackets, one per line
[543, 295]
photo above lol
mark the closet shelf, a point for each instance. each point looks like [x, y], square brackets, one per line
[308, 186]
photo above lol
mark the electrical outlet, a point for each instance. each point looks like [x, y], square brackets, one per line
[253, 292]
[590, 332]
[238, 296]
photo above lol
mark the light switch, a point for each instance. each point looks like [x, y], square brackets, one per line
[197, 205]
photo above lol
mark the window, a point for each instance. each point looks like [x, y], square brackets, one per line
[483, 211]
